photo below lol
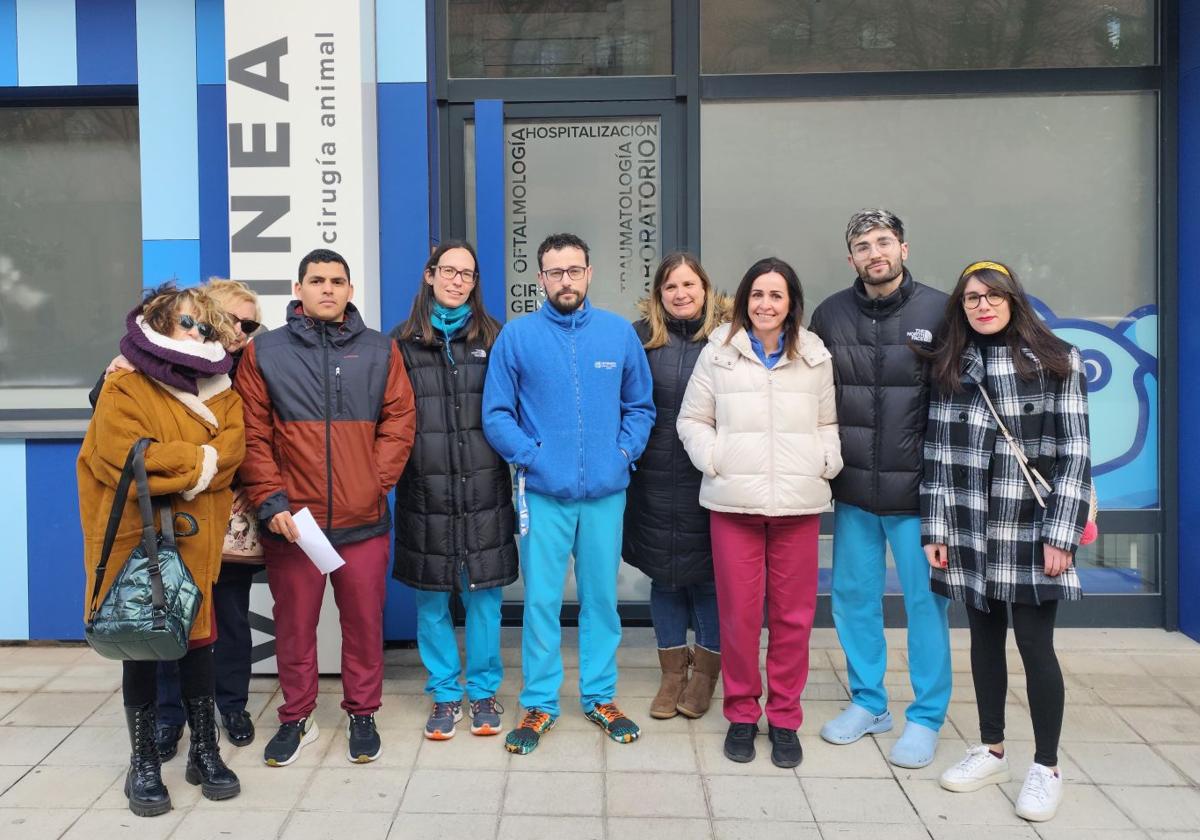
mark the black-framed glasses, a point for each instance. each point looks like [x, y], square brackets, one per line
[971, 299]
[248, 325]
[575, 272]
[206, 330]
[449, 272]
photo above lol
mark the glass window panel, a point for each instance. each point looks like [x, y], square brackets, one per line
[1063, 188]
[70, 251]
[785, 36]
[1119, 564]
[492, 38]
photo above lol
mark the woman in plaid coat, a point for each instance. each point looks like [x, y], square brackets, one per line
[1000, 520]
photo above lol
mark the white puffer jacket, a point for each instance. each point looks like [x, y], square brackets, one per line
[766, 440]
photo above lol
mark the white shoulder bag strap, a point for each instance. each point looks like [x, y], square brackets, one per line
[1029, 472]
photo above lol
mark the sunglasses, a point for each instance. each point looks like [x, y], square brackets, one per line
[248, 326]
[206, 330]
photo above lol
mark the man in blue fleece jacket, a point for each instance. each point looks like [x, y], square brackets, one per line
[568, 401]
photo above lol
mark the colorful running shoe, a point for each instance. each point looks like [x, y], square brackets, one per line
[524, 739]
[614, 723]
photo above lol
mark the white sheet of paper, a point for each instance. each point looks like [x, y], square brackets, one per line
[315, 544]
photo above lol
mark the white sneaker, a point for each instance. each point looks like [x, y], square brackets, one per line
[978, 769]
[1040, 795]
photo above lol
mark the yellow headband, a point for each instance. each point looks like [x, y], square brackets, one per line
[973, 267]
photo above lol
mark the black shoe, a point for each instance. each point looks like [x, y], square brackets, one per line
[739, 742]
[364, 739]
[204, 765]
[166, 740]
[148, 796]
[285, 747]
[785, 747]
[239, 727]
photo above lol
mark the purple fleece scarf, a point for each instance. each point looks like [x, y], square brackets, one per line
[169, 366]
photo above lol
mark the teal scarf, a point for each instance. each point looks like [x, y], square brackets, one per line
[449, 321]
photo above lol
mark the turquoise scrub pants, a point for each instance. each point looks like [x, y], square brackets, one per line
[860, 541]
[590, 529]
[438, 645]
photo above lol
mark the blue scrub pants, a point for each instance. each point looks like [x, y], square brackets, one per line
[860, 541]
[590, 529]
[438, 645]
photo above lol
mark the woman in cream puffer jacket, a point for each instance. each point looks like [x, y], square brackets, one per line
[758, 419]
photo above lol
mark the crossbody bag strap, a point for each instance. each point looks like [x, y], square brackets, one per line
[158, 598]
[1029, 472]
[114, 517]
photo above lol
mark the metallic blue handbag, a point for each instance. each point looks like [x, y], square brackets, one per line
[148, 611]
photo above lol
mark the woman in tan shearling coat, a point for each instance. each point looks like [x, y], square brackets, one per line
[759, 421]
[178, 395]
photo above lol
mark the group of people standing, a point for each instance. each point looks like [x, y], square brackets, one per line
[701, 444]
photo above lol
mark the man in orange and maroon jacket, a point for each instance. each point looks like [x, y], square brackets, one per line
[330, 420]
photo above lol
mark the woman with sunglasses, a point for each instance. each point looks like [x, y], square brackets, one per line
[1004, 501]
[454, 511]
[231, 593]
[178, 395]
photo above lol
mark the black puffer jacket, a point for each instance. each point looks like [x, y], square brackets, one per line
[666, 530]
[882, 390]
[454, 500]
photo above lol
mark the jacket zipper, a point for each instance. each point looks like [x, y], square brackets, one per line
[328, 431]
[456, 491]
[674, 487]
[337, 378]
[878, 412]
[578, 403]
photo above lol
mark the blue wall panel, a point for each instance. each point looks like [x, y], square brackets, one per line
[46, 42]
[489, 201]
[1189, 299]
[166, 54]
[171, 259]
[400, 38]
[106, 42]
[55, 541]
[8, 43]
[210, 42]
[403, 197]
[214, 181]
[14, 560]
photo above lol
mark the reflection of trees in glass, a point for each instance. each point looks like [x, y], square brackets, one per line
[780, 36]
[497, 38]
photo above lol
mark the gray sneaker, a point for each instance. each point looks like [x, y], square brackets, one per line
[485, 716]
[440, 726]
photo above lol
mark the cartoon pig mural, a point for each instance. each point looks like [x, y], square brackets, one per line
[1122, 370]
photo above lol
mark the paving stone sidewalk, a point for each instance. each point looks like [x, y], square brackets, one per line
[1130, 755]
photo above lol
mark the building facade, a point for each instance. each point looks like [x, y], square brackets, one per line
[142, 140]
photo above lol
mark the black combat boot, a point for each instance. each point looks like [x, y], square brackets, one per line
[148, 796]
[204, 764]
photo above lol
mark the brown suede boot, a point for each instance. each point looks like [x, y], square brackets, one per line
[698, 694]
[674, 662]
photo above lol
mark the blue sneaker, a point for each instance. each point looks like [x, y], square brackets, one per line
[853, 723]
[915, 748]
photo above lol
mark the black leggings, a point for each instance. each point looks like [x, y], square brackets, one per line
[139, 680]
[1034, 629]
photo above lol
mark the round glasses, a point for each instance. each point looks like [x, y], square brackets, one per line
[206, 330]
[971, 299]
[449, 272]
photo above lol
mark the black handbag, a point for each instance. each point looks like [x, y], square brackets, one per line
[148, 611]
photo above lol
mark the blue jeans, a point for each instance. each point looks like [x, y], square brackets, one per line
[589, 529]
[674, 608]
[860, 541]
[438, 645]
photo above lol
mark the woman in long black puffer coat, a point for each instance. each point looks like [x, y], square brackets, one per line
[666, 531]
[454, 511]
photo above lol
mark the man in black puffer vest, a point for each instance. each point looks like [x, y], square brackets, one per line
[871, 329]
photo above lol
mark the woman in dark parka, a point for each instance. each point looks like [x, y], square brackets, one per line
[666, 531]
[454, 512]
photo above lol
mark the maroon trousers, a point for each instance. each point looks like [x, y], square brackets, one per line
[359, 588]
[771, 557]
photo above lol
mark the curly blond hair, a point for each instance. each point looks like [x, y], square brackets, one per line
[161, 305]
[229, 292]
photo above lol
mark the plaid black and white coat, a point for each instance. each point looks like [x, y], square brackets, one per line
[974, 496]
